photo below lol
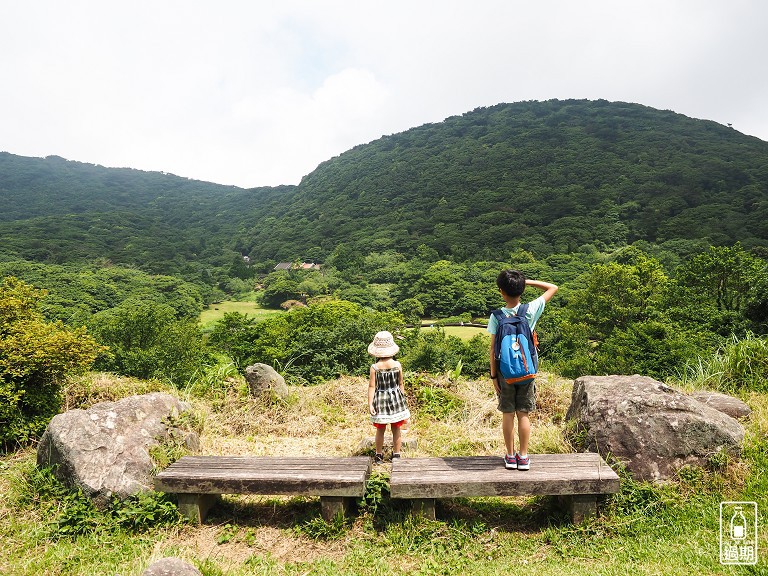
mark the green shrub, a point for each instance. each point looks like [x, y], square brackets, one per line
[314, 343]
[35, 356]
[70, 513]
[147, 341]
[433, 400]
[435, 351]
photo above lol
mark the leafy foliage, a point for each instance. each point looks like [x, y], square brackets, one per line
[70, 513]
[145, 340]
[35, 355]
[312, 343]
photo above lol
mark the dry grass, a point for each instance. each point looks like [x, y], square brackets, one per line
[253, 534]
[331, 419]
[89, 389]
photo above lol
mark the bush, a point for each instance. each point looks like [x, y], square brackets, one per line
[35, 356]
[435, 351]
[147, 341]
[319, 342]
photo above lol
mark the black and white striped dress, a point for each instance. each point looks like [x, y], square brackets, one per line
[388, 399]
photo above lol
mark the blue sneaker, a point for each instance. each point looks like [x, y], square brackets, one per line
[510, 462]
[523, 463]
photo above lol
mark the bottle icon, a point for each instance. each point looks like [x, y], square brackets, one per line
[738, 525]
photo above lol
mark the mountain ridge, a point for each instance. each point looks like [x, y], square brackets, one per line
[548, 177]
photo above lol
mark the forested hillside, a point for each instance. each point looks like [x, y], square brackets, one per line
[654, 226]
[57, 211]
[549, 177]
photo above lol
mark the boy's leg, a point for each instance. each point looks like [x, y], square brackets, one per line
[524, 431]
[508, 429]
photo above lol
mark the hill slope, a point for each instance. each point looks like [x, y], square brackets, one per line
[545, 176]
[55, 210]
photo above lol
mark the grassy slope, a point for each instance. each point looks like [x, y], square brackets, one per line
[646, 529]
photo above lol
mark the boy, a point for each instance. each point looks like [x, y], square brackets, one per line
[516, 399]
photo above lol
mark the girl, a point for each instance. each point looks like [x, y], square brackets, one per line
[386, 393]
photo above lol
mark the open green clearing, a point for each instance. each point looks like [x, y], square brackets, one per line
[463, 332]
[215, 312]
[646, 529]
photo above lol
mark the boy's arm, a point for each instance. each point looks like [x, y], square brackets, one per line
[549, 289]
[494, 374]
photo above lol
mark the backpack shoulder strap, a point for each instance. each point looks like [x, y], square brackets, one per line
[522, 310]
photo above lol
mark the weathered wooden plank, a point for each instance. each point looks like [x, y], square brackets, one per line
[264, 474]
[343, 477]
[281, 486]
[264, 463]
[560, 461]
[550, 474]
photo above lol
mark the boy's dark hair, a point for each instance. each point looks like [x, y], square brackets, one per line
[511, 282]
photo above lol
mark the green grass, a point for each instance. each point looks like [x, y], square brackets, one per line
[215, 312]
[646, 529]
[463, 332]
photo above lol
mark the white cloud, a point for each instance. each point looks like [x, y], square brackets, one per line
[254, 94]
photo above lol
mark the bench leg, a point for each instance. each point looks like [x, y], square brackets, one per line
[581, 506]
[423, 507]
[195, 507]
[332, 506]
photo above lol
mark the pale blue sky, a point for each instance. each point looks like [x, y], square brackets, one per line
[259, 93]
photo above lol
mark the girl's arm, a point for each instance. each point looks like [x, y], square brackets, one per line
[371, 390]
[400, 377]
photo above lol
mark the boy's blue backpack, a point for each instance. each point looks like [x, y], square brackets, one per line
[516, 355]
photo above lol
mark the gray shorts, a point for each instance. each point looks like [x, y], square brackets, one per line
[516, 398]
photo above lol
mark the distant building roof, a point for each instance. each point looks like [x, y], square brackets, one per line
[302, 266]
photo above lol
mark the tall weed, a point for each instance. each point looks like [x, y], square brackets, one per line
[740, 364]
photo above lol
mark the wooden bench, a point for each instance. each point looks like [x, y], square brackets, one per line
[580, 479]
[199, 480]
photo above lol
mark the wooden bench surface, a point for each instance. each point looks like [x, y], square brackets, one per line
[550, 474]
[310, 476]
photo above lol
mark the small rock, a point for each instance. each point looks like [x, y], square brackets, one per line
[262, 379]
[171, 567]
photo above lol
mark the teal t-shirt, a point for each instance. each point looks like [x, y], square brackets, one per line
[535, 308]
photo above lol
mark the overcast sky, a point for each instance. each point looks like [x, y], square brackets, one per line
[256, 93]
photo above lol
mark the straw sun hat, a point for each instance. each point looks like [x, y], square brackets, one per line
[383, 345]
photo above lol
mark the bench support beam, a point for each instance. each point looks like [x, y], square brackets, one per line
[580, 506]
[332, 506]
[423, 507]
[195, 507]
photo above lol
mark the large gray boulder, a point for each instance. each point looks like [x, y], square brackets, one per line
[104, 450]
[171, 567]
[263, 380]
[650, 426]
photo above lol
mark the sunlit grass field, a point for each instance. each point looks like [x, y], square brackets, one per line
[646, 529]
[215, 312]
